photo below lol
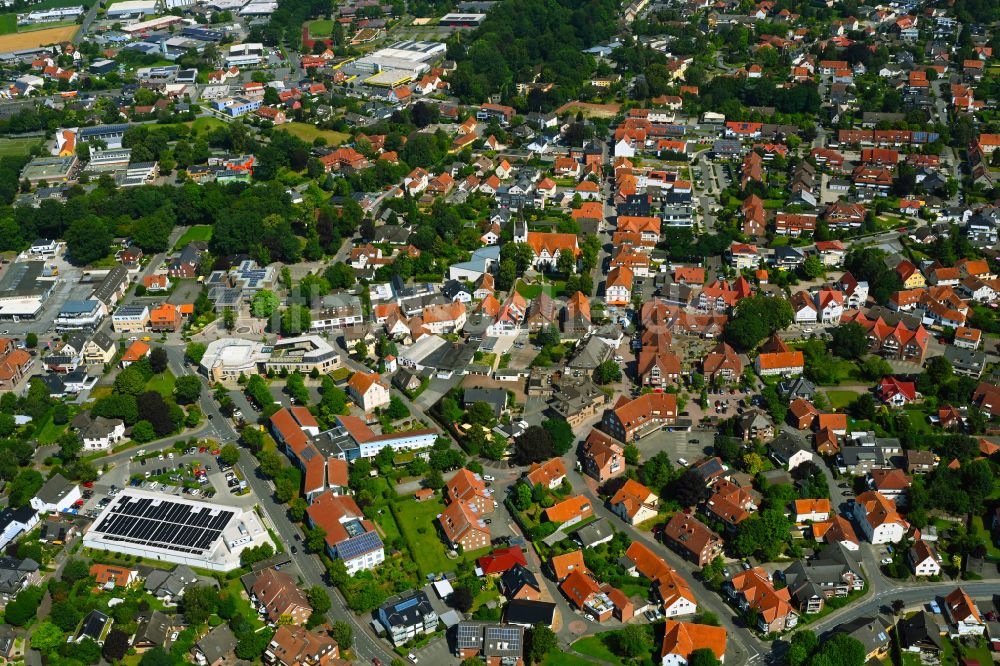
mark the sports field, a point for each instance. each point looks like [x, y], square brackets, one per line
[8, 24]
[36, 38]
[320, 28]
[13, 147]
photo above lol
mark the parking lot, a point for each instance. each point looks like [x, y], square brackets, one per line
[200, 469]
[690, 446]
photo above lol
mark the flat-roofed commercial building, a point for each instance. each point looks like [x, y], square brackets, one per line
[23, 290]
[228, 358]
[50, 170]
[168, 528]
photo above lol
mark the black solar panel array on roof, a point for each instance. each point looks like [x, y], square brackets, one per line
[173, 526]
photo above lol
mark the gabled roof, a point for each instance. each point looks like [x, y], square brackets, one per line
[563, 565]
[682, 638]
[547, 472]
[568, 509]
[501, 560]
[579, 587]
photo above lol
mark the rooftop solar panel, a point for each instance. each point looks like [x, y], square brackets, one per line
[181, 527]
[359, 545]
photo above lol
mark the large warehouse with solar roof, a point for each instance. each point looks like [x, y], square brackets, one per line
[172, 529]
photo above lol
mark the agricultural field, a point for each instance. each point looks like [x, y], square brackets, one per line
[308, 133]
[36, 38]
[590, 110]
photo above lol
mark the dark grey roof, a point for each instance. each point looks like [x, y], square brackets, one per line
[920, 629]
[406, 610]
[217, 643]
[786, 445]
[154, 628]
[595, 532]
[529, 613]
[13, 572]
[872, 632]
[99, 427]
[103, 340]
[495, 398]
[516, 578]
[23, 515]
[55, 489]
[93, 625]
[115, 279]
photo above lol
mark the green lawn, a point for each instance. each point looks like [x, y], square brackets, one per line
[385, 521]
[418, 524]
[199, 232]
[320, 28]
[309, 133]
[15, 147]
[8, 24]
[163, 383]
[992, 552]
[918, 421]
[235, 588]
[980, 654]
[565, 659]
[50, 432]
[841, 399]
[529, 291]
[594, 646]
[205, 124]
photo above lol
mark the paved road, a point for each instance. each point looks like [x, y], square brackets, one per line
[914, 596]
[366, 645]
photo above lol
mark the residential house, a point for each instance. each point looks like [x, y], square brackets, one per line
[680, 639]
[109, 576]
[786, 364]
[835, 572]
[570, 511]
[565, 564]
[963, 615]
[519, 582]
[790, 451]
[753, 590]
[350, 537]
[920, 634]
[691, 538]
[878, 518]
[464, 525]
[549, 474]
[368, 391]
[923, 559]
[297, 646]
[99, 433]
[216, 647]
[500, 644]
[634, 503]
[722, 364]
[873, 633]
[814, 510]
[586, 595]
[280, 596]
[630, 420]
[501, 560]
[407, 616]
[603, 457]
[469, 488]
